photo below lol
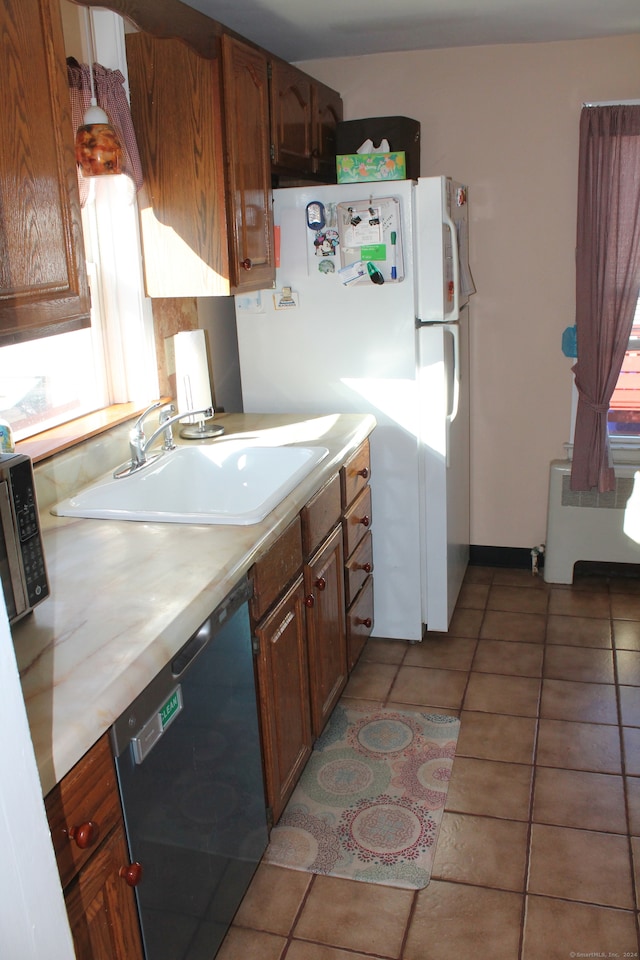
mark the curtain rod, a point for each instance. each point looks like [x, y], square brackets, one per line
[613, 103]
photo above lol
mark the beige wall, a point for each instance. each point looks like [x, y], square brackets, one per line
[504, 119]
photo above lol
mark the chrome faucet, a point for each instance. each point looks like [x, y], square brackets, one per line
[139, 444]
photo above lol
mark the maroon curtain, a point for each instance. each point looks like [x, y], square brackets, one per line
[607, 277]
[111, 96]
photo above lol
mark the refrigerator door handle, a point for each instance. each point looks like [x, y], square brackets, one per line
[454, 313]
[454, 330]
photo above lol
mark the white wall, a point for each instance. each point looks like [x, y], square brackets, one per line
[504, 119]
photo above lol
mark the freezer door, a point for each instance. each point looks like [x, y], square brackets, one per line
[444, 281]
[444, 460]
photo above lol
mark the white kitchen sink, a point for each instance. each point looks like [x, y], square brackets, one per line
[232, 480]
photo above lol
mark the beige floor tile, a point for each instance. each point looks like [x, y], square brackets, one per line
[491, 736]
[505, 576]
[579, 631]
[557, 930]
[628, 667]
[240, 944]
[355, 916]
[574, 798]
[580, 865]
[579, 746]
[436, 688]
[371, 681]
[490, 693]
[585, 702]
[504, 657]
[465, 623]
[272, 901]
[626, 635]
[453, 920]
[625, 607]
[513, 626]
[632, 785]
[579, 663]
[473, 596]
[447, 653]
[630, 706]
[631, 744]
[517, 599]
[479, 574]
[489, 788]
[384, 651]
[580, 603]
[635, 849]
[303, 950]
[481, 851]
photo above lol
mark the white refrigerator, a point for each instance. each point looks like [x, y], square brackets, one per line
[369, 315]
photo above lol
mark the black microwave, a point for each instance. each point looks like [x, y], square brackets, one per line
[22, 565]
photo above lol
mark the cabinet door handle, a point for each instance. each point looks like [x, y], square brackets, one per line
[85, 834]
[309, 600]
[246, 264]
[365, 521]
[320, 583]
[131, 874]
[364, 473]
[367, 567]
[364, 622]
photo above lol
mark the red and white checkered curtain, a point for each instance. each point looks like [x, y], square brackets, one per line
[112, 98]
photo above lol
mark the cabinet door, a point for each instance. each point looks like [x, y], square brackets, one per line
[43, 280]
[246, 103]
[283, 688]
[291, 118]
[327, 113]
[101, 906]
[326, 633]
[176, 106]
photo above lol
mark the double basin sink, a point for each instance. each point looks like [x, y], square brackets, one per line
[231, 480]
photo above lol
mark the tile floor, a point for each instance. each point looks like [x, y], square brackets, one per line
[535, 858]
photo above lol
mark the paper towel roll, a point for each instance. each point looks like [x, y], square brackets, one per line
[193, 386]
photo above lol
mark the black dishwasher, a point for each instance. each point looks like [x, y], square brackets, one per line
[190, 774]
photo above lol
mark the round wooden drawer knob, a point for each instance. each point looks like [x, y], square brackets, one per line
[131, 874]
[85, 834]
[366, 622]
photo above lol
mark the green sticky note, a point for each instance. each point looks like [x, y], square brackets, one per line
[373, 251]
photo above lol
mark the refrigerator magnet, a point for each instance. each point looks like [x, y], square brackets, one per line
[326, 242]
[315, 215]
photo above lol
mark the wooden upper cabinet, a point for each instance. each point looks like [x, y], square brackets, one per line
[291, 118]
[43, 280]
[304, 115]
[246, 113]
[327, 114]
[176, 109]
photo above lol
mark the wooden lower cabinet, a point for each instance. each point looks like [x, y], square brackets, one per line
[87, 830]
[283, 689]
[358, 550]
[102, 916]
[326, 636]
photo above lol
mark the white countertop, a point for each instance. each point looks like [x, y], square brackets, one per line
[125, 596]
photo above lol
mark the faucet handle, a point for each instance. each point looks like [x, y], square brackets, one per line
[143, 416]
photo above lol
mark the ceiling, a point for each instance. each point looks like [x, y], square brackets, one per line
[312, 29]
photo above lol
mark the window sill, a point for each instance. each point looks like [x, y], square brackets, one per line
[49, 442]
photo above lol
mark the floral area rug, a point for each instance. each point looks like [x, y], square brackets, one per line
[370, 801]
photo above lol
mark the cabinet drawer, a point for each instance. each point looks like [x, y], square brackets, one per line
[359, 622]
[88, 795]
[320, 515]
[273, 572]
[355, 474]
[357, 520]
[358, 567]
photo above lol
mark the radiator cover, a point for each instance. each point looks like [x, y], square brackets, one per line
[588, 525]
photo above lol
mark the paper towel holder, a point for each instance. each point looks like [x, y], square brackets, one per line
[202, 430]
